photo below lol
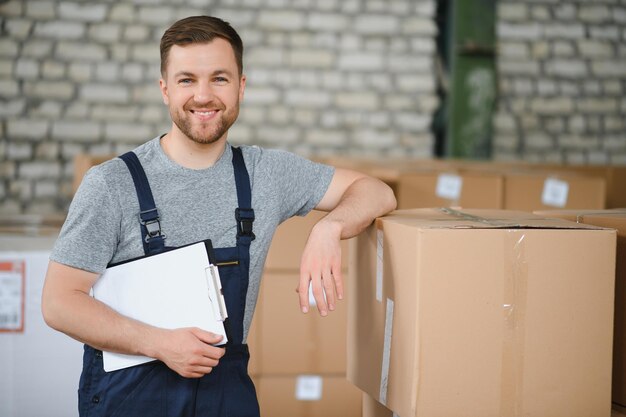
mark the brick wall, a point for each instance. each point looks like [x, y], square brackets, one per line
[352, 77]
[562, 71]
[324, 77]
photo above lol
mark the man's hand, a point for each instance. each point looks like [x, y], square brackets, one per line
[353, 201]
[189, 353]
[321, 266]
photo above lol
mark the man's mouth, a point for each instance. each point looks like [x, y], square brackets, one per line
[205, 113]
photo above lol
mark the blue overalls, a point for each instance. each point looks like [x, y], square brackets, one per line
[153, 389]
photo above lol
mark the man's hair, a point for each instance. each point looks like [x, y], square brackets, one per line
[200, 29]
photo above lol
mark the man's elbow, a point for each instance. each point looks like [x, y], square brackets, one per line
[49, 310]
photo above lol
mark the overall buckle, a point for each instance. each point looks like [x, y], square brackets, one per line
[245, 218]
[151, 221]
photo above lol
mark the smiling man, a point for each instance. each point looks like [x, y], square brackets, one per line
[195, 186]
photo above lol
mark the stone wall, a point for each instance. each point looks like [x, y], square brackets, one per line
[562, 71]
[324, 77]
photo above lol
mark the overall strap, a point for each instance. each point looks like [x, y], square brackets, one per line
[244, 212]
[152, 238]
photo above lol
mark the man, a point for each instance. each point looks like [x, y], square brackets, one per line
[202, 189]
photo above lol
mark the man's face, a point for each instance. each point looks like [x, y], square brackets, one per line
[202, 88]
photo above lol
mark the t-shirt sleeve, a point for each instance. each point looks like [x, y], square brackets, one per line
[298, 184]
[89, 236]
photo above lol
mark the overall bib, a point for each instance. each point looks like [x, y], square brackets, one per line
[153, 389]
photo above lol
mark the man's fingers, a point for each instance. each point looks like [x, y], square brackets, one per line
[207, 337]
[197, 371]
[303, 292]
[329, 290]
[318, 294]
[338, 278]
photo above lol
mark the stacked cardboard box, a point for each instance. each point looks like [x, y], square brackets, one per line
[445, 187]
[614, 176]
[298, 361]
[544, 190]
[482, 313]
[494, 185]
[615, 219]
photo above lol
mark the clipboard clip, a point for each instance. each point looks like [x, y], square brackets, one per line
[215, 292]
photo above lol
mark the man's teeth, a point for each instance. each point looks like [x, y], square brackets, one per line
[204, 113]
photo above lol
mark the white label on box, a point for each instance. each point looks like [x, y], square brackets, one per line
[449, 186]
[379, 265]
[384, 375]
[555, 193]
[309, 388]
[11, 298]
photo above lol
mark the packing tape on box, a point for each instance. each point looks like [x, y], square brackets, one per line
[379, 265]
[465, 216]
[514, 324]
[384, 374]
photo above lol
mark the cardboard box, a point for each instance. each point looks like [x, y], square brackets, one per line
[482, 313]
[308, 396]
[285, 341]
[450, 188]
[532, 191]
[387, 170]
[372, 408]
[289, 241]
[615, 219]
[614, 175]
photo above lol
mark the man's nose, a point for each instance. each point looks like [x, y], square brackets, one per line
[203, 93]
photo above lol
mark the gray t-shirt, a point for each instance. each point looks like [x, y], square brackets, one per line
[102, 226]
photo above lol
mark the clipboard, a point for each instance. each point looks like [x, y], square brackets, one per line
[173, 289]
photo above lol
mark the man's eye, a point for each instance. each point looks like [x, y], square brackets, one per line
[184, 81]
[221, 80]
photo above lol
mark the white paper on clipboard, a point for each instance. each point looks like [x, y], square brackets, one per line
[174, 289]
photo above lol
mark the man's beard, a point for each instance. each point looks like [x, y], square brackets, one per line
[204, 133]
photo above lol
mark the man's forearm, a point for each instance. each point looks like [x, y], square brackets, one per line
[89, 321]
[364, 200]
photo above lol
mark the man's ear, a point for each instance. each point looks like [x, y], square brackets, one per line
[242, 86]
[164, 93]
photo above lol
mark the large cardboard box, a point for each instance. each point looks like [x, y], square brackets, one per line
[284, 341]
[289, 242]
[308, 396]
[615, 219]
[434, 188]
[482, 313]
[530, 191]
